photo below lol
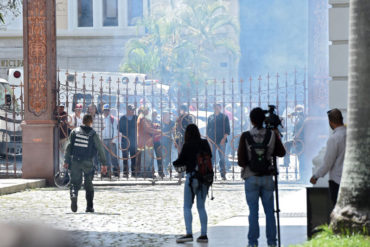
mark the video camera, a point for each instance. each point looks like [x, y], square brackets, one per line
[272, 120]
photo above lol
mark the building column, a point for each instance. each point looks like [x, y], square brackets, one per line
[40, 137]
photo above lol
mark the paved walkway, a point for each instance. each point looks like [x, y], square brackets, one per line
[233, 232]
[149, 216]
[8, 186]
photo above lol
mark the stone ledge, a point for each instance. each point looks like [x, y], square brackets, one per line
[9, 186]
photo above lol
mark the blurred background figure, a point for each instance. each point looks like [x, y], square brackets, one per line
[218, 129]
[157, 143]
[128, 129]
[295, 145]
[166, 141]
[109, 133]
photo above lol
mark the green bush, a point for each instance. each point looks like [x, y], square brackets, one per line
[326, 238]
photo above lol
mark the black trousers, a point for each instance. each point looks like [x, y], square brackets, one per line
[333, 189]
[158, 155]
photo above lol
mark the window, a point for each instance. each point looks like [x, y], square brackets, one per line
[85, 13]
[110, 13]
[135, 11]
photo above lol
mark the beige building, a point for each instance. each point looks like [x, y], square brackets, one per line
[91, 35]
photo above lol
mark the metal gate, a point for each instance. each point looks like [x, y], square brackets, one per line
[117, 91]
[288, 91]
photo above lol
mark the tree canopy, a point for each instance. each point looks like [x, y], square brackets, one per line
[9, 7]
[180, 40]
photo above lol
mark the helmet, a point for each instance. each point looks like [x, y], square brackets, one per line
[62, 179]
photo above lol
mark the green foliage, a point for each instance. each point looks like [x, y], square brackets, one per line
[326, 238]
[180, 40]
[9, 6]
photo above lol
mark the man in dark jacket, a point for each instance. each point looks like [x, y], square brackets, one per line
[128, 129]
[218, 128]
[82, 147]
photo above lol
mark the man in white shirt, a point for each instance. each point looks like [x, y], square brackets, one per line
[334, 156]
[75, 119]
[109, 136]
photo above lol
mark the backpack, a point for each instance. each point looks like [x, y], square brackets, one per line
[258, 161]
[204, 169]
[83, 147]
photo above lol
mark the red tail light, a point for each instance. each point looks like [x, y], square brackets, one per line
[17, 74]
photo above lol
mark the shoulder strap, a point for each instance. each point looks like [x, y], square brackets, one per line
[267, 137]
[249, 138]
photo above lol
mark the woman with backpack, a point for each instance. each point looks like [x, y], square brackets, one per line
[188, 161]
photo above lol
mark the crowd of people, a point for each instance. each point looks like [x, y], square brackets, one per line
[146, 140]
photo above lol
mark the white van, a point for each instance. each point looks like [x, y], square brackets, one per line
[85, 87]
[10, 122]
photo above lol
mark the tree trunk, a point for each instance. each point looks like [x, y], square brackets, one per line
[352, 212]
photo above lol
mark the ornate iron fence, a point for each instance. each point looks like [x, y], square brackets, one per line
[287, 91]
[117, 91]
[11, 116]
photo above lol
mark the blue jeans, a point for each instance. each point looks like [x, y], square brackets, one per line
[200, 191]
[256, 187]
[221, 154]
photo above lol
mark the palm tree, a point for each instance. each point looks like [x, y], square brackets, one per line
[180, 41]
[352, 212]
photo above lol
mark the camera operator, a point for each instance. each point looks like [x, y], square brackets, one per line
[256, 150]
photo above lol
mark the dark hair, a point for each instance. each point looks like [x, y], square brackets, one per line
[257, 117]
[96, 109]
[335, 116]
[87, 119]
[192, 133]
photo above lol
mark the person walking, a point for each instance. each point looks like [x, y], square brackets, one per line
[218, 129]
[83, 145]
[109, 133]
[334, 155]
[128, 129]
[256, 150]
[193, 187]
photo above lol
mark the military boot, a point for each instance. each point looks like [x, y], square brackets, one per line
[89, 200]
[74, 195]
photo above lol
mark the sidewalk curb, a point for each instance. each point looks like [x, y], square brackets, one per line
[16, 185]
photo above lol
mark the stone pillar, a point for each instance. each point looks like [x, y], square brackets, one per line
[39, 127]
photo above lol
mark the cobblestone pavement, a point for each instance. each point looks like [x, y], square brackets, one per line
[131, 215]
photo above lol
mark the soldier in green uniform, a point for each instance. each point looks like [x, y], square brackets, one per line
[82, 146]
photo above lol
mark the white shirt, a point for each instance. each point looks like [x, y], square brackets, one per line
[76, 121]
[334, 156]
[98, 125]
[110, 130]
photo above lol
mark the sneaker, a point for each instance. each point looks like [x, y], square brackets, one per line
[74, 204]
[185, 238]
[202, 239]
